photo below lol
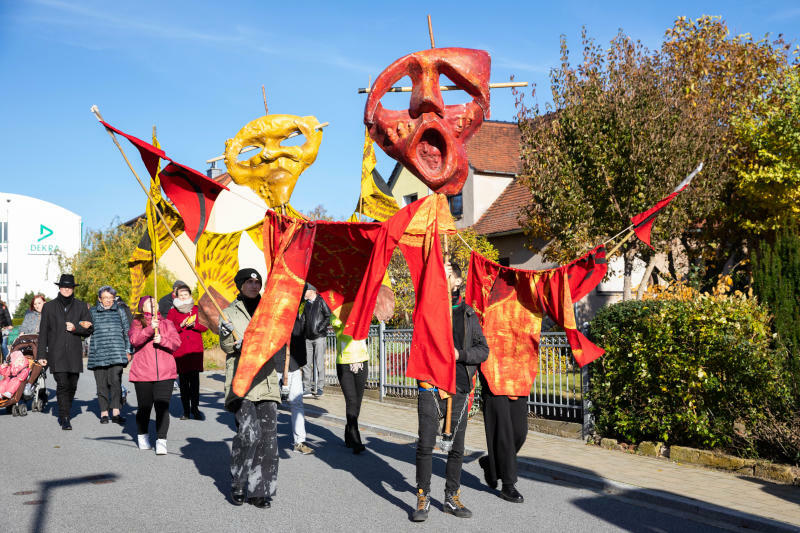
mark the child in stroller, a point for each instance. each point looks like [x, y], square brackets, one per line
[31, 388]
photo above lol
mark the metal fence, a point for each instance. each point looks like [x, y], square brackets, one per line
[557, 393]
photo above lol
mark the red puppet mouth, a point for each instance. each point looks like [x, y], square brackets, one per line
[432, 152]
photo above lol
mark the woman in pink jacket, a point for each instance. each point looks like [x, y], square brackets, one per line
[153, 371]
[189, 356]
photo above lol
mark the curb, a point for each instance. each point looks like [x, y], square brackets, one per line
[705, 511]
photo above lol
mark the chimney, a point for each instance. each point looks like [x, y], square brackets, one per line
[213, 172]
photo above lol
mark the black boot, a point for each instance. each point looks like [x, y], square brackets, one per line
[261, 503]
[453, 505]
[65, 425]
[237, 495]
[511, 494]
[348, 437]
[423, 506]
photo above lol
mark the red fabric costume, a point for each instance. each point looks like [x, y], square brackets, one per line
[511, 304]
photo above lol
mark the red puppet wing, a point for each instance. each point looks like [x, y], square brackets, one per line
[511, 304]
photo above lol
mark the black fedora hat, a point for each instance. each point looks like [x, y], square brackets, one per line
[67, 280]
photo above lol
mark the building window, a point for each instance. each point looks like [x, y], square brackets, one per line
[456, 205]
[3, 232]
[505, 261]
[409, 199]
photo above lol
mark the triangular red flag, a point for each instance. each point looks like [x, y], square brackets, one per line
[150, 154]
[193, 194]
[643, 222]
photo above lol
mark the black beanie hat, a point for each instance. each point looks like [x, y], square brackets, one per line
[245, 274]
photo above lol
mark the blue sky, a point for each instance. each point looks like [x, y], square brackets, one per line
[195, 70]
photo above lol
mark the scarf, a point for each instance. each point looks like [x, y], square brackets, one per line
[250, 303]
[65, 301]
[185, 305]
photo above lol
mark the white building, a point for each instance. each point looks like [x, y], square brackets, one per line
[32, 232]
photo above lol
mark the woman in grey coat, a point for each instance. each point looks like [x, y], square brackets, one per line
[33, 316]
[108, 352]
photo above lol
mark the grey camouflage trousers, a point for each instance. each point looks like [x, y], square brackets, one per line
[254, 453]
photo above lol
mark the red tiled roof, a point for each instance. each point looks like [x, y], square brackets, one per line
[495, 148]
[502, 216]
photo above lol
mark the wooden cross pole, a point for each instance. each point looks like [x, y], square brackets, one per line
[155, 259]
[163, 220]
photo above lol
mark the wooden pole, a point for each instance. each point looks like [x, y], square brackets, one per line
[448, 421]
[404, 89]
[430, 32]
[251, 148]
[264, 93]
[155, 259]
[157, 209]
[620, 243]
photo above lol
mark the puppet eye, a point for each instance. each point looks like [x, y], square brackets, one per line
[397, 101]
[298, 140]
[455, 96]
[247, 153]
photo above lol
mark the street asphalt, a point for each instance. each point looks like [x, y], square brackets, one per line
[94, 478]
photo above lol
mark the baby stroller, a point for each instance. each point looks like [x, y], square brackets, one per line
[34, 387]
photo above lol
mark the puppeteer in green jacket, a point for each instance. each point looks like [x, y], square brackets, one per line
[265, 383]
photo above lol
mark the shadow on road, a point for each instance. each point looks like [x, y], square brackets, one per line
[212, 459]
[46, 489]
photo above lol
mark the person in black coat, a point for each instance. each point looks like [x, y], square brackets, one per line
[293, 381]
[65, 323]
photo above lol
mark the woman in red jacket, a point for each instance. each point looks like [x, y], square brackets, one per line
[189, 356]
[153, 371]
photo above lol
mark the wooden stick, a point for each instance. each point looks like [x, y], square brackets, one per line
[500, 85]
[161, 217]
[155, 259]
[251, 148]
[620, 243]
[430, 32]
[448, 421]
[264, 93]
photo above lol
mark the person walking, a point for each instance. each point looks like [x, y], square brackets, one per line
[470, 351]
[109, 352]
[317, 318]
[293, 380]
[254, 451]
[153, 371]
[33, 316]
[65, 323]
[189, 355]
[352, 367]
[6, 325]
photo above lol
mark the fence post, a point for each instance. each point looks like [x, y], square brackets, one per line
[382, 360]
[588, 419]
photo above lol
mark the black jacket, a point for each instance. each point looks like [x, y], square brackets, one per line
[63, 349]
[5, 316]
[317, 316]
[297, 353]
[474, 350]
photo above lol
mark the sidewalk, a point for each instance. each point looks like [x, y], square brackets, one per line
[744, 502]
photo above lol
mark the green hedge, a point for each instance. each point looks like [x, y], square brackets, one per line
[685, 371]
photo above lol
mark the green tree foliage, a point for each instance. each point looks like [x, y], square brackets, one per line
[103, 260]
[776, 281]
[768, 136]
[24, 305]
[627, 124]
[686, 370]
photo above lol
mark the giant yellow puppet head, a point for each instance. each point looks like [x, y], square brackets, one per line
[272, 173]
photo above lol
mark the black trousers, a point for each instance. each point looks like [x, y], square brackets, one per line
[352, 384]
[254, 451]
[148, 395]
[109, 386]
[431, 410]
[506, 423]
[189, 383]
[66, 385]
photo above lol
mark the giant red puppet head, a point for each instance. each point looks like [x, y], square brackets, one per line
[429, 138]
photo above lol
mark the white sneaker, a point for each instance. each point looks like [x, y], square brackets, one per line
[144, 442]
[161, 447]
